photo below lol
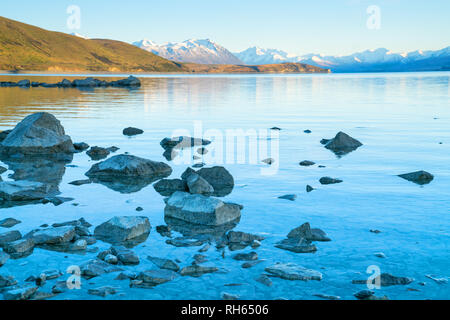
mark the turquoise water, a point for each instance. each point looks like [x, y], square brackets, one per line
[403, 120]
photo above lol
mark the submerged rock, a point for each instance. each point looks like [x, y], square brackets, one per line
[102, 291]
[121, 229]
[38, 134]
[95, 268]
[132, 131]
[309, 189]
[305, 232]
[307, 163]
[197, 271]
[9, 222]
[419, 177]
[198, 209]
[24, 190]
[7, 281]
[167, 187]
[328, 180]
[19, 248]
[387, 280]
[291, 271]
[153, 278]
[52, 236]
[81, 146]
[342, 144]
[98, 153]
[246, 256]
[297, 245]
[23, 293]
[290, 197]
[4, 257]
[164, 263]
[229, 297]
[265, 280]
[183, 142]
[127, 173]
[125, 256]
[9, 236]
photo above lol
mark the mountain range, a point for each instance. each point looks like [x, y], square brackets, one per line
[193, 50]
[379, 60]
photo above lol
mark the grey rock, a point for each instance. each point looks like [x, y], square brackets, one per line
[52, 236]
[80, 182]
[164, 263]
[297, 245]
[291, 271]
[305, 232]
[111, 259]
[166, 187]
[132, 131]
[24, 190]
[19, 294]
[157, 277]
[120, 229]
[183, 142]
[7, 281]
[98, 153]
[364, 294]
[56, 201]
[198, 185]
[81, 146]
[342, 144]
[387, 280]
[307, 163]
[246, 256]
[95, 268]
[130, 82]
[219, 178]
[309, 189]
[184, 242]
[127, 173]
[229, 296]
[201, 210]
[326, 296]
[24, 83]
[251, 264]
[380, 255]
[75, 223]
[9, 236]
[38, 134]
[102, 291]
[9, 222]
[19, 248]
[127, 275]
[328, 180]
[4, 257]
[197, 271]
[419, 177]
[125, 256]
[265, 280]
[290, 197]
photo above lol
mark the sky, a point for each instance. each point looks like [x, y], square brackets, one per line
[332, 27]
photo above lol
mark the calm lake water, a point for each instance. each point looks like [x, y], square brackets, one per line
[402, 119]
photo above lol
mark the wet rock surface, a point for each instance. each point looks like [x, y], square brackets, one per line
[132, 131]
[341, 144]
[167, 187]
[419, 177]
[291, 271]
[387, 280]
[122, 229]
[329, 180]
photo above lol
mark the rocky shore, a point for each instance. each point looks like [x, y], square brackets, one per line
[130, 82]
[196, 214]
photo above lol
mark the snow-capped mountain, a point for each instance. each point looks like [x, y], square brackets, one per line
[367, 61]
[197, 51]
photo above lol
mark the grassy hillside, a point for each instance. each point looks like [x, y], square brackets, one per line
[25, 47]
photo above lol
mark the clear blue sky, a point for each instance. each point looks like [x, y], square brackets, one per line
[296, 26]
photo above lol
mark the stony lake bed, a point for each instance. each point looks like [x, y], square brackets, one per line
[311, 229]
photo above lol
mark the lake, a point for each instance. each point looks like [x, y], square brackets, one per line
[403, 120]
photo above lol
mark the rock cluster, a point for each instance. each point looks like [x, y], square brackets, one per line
[130, 82]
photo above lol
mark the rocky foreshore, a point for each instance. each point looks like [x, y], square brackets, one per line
[130, 82]
[196, 215]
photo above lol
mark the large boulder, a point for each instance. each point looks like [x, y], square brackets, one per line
[201, 210]
[122, 229]
[342, 144]
[52, 236]
[167, 187]
[127, 173]
[219, 178]
[38, 134]
[419, 177]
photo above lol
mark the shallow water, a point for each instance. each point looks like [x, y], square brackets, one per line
[400, 118]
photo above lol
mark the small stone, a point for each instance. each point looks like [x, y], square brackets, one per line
[139, 209]
[111, 259]
[80, 147]
[80, 182]
[309, 189]
[9, 236]
[380, 255]
[98, 153]
[419, 177]
[290, 197]
[132, 131]
[255, 244]
[125, 256]
[164, 263]
[269, 161]
[251, 264]
[307, 131]
[156, 277]
[328, 180]
[326, 296]
[197, 271]
[3, 258]
[307, 163]
[375, 231]
[291, 271]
